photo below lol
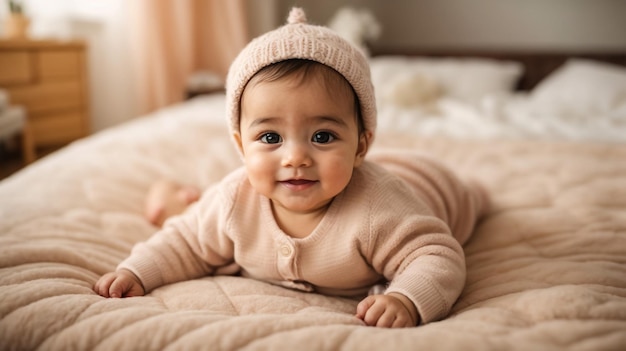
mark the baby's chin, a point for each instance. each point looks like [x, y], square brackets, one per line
[301, 207]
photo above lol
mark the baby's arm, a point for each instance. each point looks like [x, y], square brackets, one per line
[122, 283]
[388, 311]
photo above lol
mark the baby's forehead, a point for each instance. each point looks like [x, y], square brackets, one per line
[322, 89]
[310, 76]
[302, 72]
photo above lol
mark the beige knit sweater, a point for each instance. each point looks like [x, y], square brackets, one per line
[404, 224]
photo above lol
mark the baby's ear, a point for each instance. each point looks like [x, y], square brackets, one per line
[364, 143]
[237, 138]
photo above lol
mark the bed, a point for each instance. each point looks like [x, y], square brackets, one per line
[546, 267]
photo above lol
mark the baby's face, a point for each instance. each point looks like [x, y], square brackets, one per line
[300, 143]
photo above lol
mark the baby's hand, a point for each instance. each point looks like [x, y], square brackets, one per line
[122, 283]
[387, 311]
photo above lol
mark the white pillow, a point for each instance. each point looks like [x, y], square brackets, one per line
[585, 86]
[467, 79]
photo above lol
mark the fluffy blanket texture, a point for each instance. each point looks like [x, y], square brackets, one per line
[546, 267]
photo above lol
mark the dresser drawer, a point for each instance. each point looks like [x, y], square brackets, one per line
[48, 96]
[58, 65]
[55, 128]
[48, 78]
[15, 67]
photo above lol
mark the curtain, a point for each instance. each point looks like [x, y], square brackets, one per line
[170, 39]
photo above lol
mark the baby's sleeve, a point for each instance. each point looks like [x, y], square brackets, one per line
[421, 259]
[189, 246]
[412, 241]
[432, 276]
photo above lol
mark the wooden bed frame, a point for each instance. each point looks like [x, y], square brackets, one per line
[536, 65]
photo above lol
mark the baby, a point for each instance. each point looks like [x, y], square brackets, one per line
[307, 211]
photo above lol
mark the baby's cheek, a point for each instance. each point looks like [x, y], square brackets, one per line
[261, 174]
[338, 174]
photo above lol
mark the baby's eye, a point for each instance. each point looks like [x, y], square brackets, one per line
[323, 137]
[271, 138]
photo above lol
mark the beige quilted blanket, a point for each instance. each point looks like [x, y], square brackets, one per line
[546, 268]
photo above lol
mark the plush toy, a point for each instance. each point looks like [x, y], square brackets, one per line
[358, 26]
[414, 90]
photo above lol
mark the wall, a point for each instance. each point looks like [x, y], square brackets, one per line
[548, 25]
[262, 16]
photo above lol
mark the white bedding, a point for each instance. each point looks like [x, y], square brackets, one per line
[554, 110]
[513, 116]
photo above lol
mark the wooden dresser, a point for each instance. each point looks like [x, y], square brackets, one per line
[48, 78]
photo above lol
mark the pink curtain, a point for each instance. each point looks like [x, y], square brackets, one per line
[173, 38]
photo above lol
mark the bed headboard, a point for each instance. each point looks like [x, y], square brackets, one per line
[536, 65]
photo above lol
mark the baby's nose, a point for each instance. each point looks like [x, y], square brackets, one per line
[296, 155]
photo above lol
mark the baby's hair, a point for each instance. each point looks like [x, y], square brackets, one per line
[302, 69]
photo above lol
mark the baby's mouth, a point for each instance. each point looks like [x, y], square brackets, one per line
[299, 181]
[298, 184]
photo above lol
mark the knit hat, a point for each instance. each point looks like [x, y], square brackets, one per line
[299, 40]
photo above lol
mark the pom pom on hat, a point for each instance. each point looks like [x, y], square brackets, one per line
[299, 40]
[296, 15]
